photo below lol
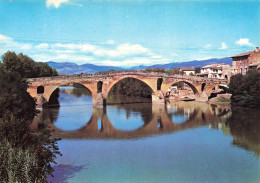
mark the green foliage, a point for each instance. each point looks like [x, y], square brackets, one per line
[174, 71]
[25, 66]
[155, 70]
[14, 99]
[245, 89]
[24, 156]
[222, 99]
[197, 70]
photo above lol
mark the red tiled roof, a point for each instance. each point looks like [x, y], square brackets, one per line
[243, 54]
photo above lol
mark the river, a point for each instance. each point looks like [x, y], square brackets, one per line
[180, 142]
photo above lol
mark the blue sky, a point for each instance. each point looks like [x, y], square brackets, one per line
[127, 32]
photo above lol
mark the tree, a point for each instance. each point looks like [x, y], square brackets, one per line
[174, 71]
[14, 99]
[24, 156]
[25, 66]
[245, 89]
[197, 70]
[12, 63]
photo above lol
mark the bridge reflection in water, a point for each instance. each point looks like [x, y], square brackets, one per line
[157, 119]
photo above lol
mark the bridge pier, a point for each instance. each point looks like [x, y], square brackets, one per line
[158, 97]
[99, 99]
[203, 97]
[41, 102]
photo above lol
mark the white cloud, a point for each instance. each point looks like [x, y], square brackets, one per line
[63, 57]
[42, 46]
[122, 50]
[5, 39]
[81, 47]
[125, 55]
[174, 54]
[207, 46]
[156, 56]
[26, 46]
[110, 42]
[7, 43]
[244, 42]
[223, 46]
[55, 3]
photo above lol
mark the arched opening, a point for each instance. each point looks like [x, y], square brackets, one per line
[70, 107]
[129, 90]
[226, 77]
[159, 83]
[40, 90]
[225, 89]
[203, 86]
[181, 91]
[218, 90]
[129, 104]
[99, 86]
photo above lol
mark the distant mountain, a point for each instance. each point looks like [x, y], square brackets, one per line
[194, 63]
[72, 68]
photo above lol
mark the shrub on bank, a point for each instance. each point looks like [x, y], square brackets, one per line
[245, 89]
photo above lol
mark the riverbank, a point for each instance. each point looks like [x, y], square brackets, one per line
[220, 101]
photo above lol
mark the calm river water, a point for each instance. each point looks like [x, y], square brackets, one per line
[182, 142]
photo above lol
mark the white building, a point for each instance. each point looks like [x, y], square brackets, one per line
[188, 70]
[220, 71]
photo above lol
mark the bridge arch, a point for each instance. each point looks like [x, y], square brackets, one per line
[210, 88]
[147, 82]
[194, 88]
[50, 89]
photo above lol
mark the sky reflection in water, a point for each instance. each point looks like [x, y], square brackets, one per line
[124, 143]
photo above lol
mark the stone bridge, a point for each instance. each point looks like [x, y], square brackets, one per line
[100, 85]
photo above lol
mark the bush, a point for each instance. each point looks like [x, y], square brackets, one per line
[245, 89]
[24, 156]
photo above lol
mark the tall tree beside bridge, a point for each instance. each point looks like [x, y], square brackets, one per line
[245, 89]
[24, 156]
[25, 66]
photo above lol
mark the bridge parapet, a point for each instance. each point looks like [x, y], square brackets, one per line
[123, 73]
